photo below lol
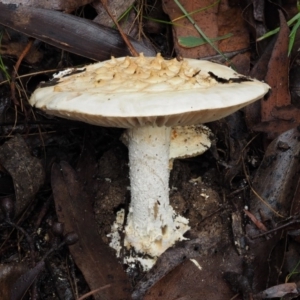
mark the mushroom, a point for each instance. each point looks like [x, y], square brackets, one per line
[186, 141]
[189, 141]
[148, 95]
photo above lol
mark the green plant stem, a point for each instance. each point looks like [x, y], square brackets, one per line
[196, 11]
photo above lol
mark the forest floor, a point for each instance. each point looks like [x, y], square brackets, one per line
[62, 182]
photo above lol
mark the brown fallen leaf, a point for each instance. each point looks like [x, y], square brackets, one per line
[274, 127]
[198, 279]
[170, 259]
[278, 73]
[277, 112]
[215, 20]
[26, 171]
[96, 260]
[259, 71]
[9, 273]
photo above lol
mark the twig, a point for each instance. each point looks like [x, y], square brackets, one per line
[94, 291]
[15, 71]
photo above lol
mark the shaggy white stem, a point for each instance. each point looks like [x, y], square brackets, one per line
[152, 224]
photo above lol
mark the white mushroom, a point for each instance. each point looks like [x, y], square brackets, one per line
[149, 95]
[186, 141]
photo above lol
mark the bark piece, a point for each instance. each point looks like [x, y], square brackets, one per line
[275, 182]
[64, 5]
[67, 32]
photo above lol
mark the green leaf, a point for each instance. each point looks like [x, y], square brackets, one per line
[272, 32]
[293, 36]
[194, 41]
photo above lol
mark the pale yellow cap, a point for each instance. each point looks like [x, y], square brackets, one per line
[138, 91]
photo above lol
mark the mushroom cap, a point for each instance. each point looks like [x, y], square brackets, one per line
[140, 91]
[189, 141]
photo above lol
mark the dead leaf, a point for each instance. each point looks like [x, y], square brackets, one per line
[9, 273]
[277, 113]
[116, 7]
[170, 259]
[27, 171]
[259, 71]
[277, 126]
[23, 283]
[95, 259]
[187, 281]
[279, 290]
[278, 74]
[276, 179]
[215, 21]
[239, 283]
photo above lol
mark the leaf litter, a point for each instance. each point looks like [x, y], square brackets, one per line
[88, 182]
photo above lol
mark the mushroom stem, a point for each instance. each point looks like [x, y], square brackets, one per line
[152, 224]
